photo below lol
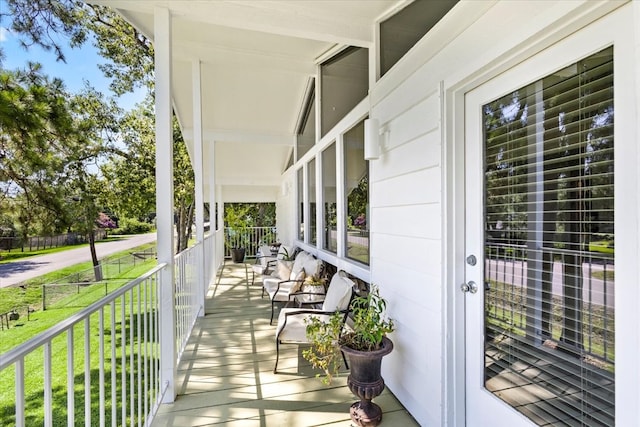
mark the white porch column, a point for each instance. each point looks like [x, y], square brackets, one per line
[198, 178]
[221, 233]
[164, 199]
[213, 216]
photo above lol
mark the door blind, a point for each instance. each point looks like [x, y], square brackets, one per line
[549, 246]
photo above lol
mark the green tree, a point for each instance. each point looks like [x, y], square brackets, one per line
[131, 173]
[48, 140]
[42, 22]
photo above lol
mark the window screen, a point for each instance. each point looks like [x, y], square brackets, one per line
[400, 32]
[344, 83]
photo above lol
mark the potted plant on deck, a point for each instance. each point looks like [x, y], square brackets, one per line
[365, 341]
[237, 240]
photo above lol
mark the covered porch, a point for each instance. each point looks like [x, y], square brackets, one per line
[225, 375]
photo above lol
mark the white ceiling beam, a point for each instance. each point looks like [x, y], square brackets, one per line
[324, 21]
[263, 181]
[237, 136]
[241, 58]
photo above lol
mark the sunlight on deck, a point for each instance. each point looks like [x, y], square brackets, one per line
[226, 374]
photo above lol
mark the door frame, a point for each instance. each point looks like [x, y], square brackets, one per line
[453, 204]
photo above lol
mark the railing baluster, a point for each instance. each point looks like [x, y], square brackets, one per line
[48, 404]
[87, 372]
[132, 405]
[146, 348]
[123, 357]
[70, 381]
[101, 391]
[139, 356]
[114, 367]
[20, 392]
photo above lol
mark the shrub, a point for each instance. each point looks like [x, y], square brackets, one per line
[132, 226]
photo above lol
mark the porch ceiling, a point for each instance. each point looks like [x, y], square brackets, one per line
[257, 57]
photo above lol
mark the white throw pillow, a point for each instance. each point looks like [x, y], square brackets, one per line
[338, 294]
[283, 269]
[312, 266]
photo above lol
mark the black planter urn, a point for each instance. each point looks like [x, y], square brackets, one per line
[365, 382]
[237, 254]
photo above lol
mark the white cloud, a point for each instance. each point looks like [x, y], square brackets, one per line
[3, 34]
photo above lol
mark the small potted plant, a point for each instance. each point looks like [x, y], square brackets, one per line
[365, 341]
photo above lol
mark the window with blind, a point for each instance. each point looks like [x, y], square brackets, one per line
[549, 246]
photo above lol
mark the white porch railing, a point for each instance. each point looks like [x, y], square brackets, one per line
[187, 301]
[113, 379]
[119, 378]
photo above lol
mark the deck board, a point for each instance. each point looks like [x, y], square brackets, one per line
[226, 377]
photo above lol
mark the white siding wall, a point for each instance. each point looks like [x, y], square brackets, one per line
[408, 215]
[406, 247]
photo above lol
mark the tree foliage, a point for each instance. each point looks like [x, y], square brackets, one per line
[131, 170]
[45, 22]
[47, 140]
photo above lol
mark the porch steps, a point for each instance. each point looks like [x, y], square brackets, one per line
[550, 387]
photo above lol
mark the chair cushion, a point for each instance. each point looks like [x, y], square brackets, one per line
[281, 292]
[283, 269]
[312, 266]
[295, 330]
[339, 293]
[298, 281]
[264, 252]
[259, 268]
[298, 264]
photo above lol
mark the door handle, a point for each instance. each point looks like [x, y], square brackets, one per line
[469, 287]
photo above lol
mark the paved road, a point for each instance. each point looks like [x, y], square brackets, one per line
[28, 268]
[595, 290]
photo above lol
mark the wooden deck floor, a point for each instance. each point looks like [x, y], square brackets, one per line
[226, 374]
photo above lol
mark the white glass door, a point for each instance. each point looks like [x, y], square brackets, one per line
[540, 244]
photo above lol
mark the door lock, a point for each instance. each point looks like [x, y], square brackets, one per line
[471, 260]
[470, 287]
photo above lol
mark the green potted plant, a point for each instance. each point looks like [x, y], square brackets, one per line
[237, 239]
[364, 341]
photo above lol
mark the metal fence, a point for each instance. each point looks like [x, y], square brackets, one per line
[62, 290]
[36, 243]
[250, 238]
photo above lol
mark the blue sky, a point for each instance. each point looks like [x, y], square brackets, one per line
[81, 64]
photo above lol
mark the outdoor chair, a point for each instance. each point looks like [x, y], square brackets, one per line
[291, 327]
[264, 262]
[287, 278]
